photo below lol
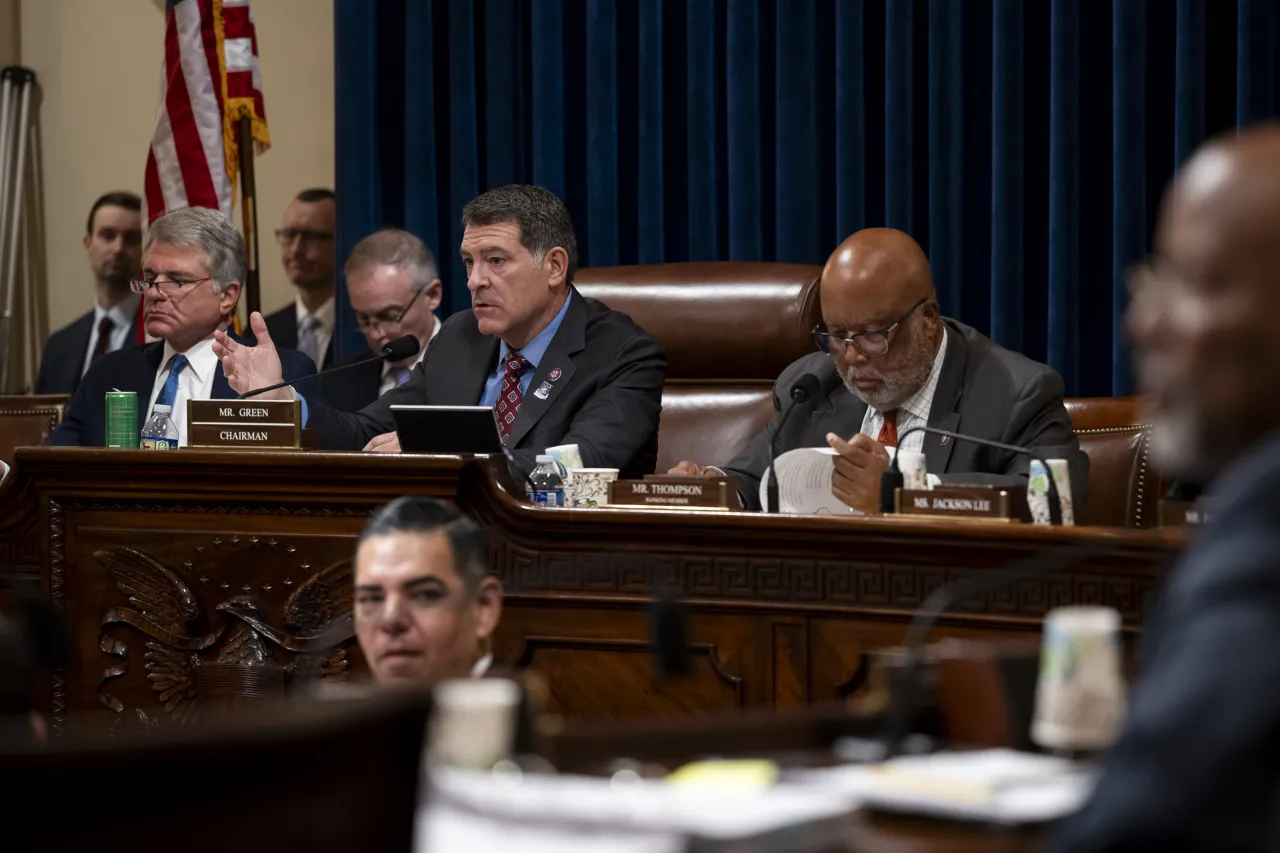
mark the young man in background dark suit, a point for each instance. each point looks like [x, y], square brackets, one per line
[113, 244]
[307, 252]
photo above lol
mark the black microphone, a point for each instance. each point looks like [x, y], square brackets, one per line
[906, 686]
[669, 633]
[804, 388]
[891, 480]
[397, 350]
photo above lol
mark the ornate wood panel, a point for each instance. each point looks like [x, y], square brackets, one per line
[168, 563]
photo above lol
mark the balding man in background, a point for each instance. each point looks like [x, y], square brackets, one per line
[890, 361]
[1197, 764]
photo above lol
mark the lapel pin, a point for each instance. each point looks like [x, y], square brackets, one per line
[544, 391]
[945, 440]
[554, 374]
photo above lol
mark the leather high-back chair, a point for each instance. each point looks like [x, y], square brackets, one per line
[28, 421]
[1124, 487]
[334, 776]
[729, 329]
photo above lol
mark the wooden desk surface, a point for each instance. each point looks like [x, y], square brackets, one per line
[783, 608]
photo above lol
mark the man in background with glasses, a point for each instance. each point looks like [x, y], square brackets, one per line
[193, 266]
[889, 361]
[394, 291]
[306, 249]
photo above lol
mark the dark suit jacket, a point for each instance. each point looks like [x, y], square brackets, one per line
[352, 389]
[984, 390]
[283, 327]
[607, 400]
[134, 369]
[65, 352]
[1195, 767]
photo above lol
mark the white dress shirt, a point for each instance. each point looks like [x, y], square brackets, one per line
[914, 411]
[122, 315]
[324, 326]
[388, 381]
[194, 383]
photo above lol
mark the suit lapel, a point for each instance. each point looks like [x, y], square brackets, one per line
[943, 412]
[142, 371]
[570, 339]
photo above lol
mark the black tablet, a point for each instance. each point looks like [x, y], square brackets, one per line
[447, 429]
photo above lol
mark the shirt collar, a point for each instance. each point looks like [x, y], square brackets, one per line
[919, 403]
[537, 348]
[200, 357]
[323, 314]
[386, 366]
[122, 314]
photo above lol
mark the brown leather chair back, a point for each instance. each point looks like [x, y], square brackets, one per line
[1123, 486]
[28, 421]
[729, 329]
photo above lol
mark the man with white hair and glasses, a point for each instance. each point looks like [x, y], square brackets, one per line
[193, 268]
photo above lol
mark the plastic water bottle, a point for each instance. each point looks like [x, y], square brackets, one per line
[546, 486]
[160, 433]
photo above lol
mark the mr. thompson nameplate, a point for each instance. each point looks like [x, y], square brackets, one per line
[679, 492]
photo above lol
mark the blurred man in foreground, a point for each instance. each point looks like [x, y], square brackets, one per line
[427, 602]
[113, 244]
[394, 291]
[889, 362]
[192, 269]
[1196, 765]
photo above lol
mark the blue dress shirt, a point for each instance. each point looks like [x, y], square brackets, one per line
[533, 353]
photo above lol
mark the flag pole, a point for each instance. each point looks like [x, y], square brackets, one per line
[249, 214]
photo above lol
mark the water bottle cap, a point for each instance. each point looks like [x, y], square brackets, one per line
[544, 459]
[162, 409]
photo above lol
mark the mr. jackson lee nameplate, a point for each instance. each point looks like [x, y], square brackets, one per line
[986, 502]
[243, 423]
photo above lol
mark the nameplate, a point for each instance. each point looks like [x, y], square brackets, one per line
[244, 423]
[677, 492]
[242, 411]
[242, 435]
[1182, 514]
[978, 502]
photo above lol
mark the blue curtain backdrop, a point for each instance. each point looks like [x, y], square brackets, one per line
[1024, 144]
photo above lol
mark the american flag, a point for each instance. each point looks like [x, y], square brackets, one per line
[209, 79]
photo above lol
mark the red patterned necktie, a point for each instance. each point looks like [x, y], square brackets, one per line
[104, 338]
[510, 398]
[889, 430]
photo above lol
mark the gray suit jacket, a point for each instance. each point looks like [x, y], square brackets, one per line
[607, 399]
[984, 390]
[1197, 763]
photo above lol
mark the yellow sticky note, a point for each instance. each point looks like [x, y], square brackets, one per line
[740, 774]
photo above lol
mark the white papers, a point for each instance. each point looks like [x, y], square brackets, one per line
[462, 802]
[995, 785]
[804, 482]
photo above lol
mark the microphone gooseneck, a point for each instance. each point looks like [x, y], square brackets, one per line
[804, 388]
[905, 695]
[892, 479]
[405, 346]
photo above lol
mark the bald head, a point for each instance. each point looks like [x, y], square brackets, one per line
[878, 279]
[1203, 312]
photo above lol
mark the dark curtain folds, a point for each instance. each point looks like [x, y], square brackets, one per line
[1025, 145]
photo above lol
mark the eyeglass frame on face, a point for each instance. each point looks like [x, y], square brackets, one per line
[179, 285]
[364, 324]
[823, 340]
[307, 236]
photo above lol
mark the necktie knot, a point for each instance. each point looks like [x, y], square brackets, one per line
[105, 327]
[515, 363]
[889, 429]
[177, 364]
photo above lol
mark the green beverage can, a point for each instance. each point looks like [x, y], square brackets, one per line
[122, 419]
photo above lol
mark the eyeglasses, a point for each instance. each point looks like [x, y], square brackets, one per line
[874, 342]
[285, 236]
[388, 317]
[169, 286]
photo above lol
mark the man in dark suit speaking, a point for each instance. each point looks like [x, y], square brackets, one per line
[192, 267]
[890, 362]
[558, 368]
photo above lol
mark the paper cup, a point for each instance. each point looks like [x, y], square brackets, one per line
[1080, 697]
[911, 464]
[1038, 491]
[589, 487]
[474, 722]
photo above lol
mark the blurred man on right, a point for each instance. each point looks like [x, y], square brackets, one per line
[1197, 763]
